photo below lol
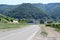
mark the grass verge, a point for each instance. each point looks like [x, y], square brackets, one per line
[12, 25]
[43, 31]
[56, 26]
[57, 29]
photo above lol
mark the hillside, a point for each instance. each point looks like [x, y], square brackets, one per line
[4, 18]
[52, 8]
[27, 11]
[31, 11]
[5, 7]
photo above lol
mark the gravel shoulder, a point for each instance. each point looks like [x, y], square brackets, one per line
[52, 34]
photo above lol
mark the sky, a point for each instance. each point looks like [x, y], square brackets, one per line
[15, 2]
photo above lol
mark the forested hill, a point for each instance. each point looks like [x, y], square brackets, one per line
[31, 11]
[5, 7]
[53, 9]
[27, 11]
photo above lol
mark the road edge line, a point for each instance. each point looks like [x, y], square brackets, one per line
[32, 35]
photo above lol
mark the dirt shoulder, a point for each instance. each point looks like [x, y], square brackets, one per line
[51, 34]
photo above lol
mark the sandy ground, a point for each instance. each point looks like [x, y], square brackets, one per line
[52, 35]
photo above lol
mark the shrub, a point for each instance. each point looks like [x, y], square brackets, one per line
[54, 25]
[41, 21]
[48, 24]
[11, 20]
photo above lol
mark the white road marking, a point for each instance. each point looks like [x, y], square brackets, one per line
[29, 33]
[32, 35]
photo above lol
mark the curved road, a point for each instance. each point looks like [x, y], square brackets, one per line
[19, 34]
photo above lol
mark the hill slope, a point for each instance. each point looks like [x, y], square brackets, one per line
[27, 11]
[4, 18]
[31, 11]
[4, 7]
[52, 9]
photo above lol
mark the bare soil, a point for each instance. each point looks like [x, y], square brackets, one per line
[52, 35]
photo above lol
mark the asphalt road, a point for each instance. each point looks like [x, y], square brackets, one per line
[19, 34]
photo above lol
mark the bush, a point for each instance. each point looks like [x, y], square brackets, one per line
[11, 20]
[48, 24]
[54, 25]
[42, 21]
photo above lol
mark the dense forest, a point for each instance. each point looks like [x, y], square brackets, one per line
[32, 11]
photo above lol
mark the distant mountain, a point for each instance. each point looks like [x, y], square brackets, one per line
[27, 11]
[31, 11]
[47, 7]
[52, 9]
[4, 7]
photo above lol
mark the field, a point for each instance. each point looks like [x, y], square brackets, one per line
[11, 25]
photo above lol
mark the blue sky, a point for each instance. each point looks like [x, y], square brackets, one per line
[14, 2]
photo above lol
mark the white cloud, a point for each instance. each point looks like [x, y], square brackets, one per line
[13, 2]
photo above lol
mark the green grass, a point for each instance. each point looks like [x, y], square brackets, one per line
[43, 31]
[54, 25]
[56, 29]
[11, 25]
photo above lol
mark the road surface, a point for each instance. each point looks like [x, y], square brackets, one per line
[19, 34]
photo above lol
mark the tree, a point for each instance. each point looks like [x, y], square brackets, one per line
[11, 20]
[7, 19]
[50, 22]
[19, 20]
[41, 21]
[0, 19]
